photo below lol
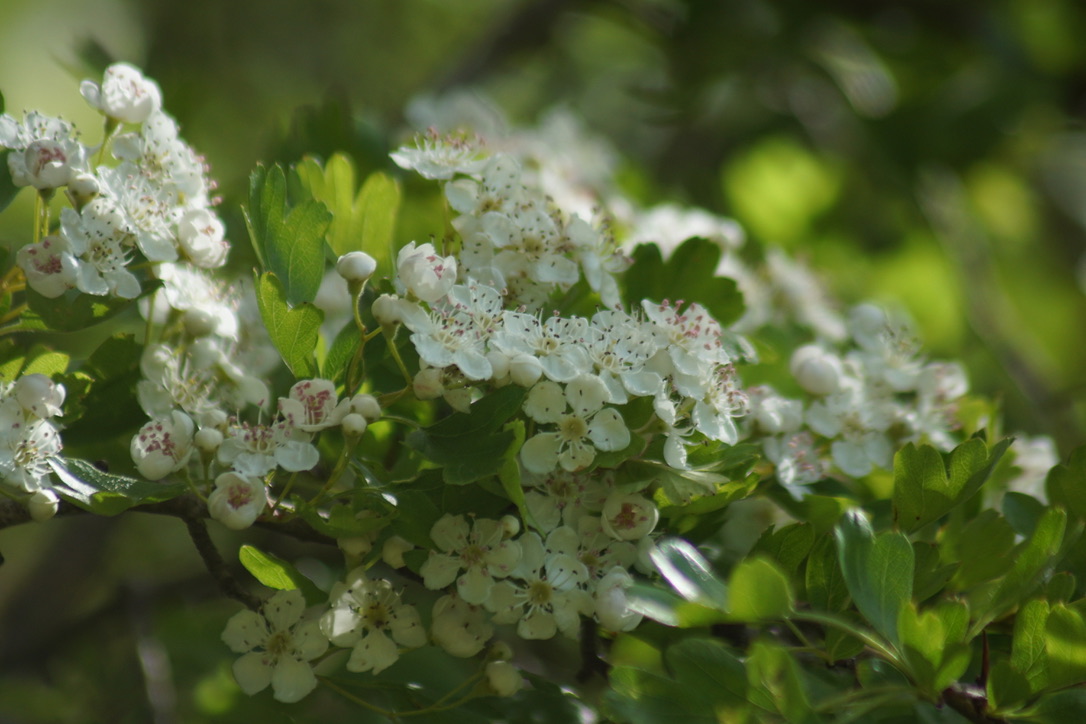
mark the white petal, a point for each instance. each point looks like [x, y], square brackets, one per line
[292, 679]
[474, 586]
[540, 454]
[252, 673]
[439, 570]
[376, 652]
[284, 609]
[608, 430]
[545, 402]
[245, 631]
[586, 394]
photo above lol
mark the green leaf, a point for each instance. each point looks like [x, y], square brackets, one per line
[705, 666]
[290, 244]
[276, 573]
[1065, 646]
[293, 331]
[44, 361]
[1022, 512]
[1031, 562]
[642, 697]
[342, 351]
[826, 589]
[472, 446]
[1060, 707]
[102, 493]
[758, 590]
[932, 644]
[925, 488]
[1006, 687]
[378, 204]
[690, 272]
[1028, 645]
[71, 311]
[8, 189]
[982, 548]
[774, 682]
[670, 609]
[788, 546]
[509, 475]
[877, 570]
[930, 575]
[1066, 484]
[334, 186]
[683, 566]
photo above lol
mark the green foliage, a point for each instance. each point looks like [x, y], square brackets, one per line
[276, 573]
[102, 493]
[690, 272]
[288, 243]
[8, 189]
[72, 311]
[293, 329]
[472, 446]
[926, 488]
[1066, 484]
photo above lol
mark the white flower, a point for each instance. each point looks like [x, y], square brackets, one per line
[589, 427]
[816, 370]
[628, 516]
[368, 615]
[557, 342]
[26, 444]
[50, 267]
[200, 234]
[38, 395]
[163, 446]
[462, 629]
[100, 236]
[544, 595]
[277, 647]
[440, 157]
[44, 153]
[237, 500]
[125, 94]
[312, 405]
[425, 274]
[612, 606]
[481, 552]
[797, 460]
[503, 678]
[257, 449]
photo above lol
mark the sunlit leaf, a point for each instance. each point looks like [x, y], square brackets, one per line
[293, 330]
[878, 571]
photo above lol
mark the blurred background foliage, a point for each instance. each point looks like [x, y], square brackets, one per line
[927, 154]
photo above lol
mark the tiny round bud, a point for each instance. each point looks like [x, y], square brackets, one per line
[510, 526]
[356, 266]
[815, 370]
[428, 384]
[504, 678]
[386, 310]
[199, 323]
[214, 418]
[207, 440]
[353, 425]
[43, 505]
[367, 406]
[82, 187]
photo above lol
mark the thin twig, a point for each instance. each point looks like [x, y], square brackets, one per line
[217, 566]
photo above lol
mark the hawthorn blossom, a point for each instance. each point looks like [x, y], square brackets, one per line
[367, 616]
[256, 450]
[49, 265]
[313, 405]
[163, 446]
[461, 628]
[99, 236]
[580, 433]
[423, 273]
[44, 151]
[277, 645]
[544, 595]
[481, 551]
[237, 500]
[440, 156]
[124, 95]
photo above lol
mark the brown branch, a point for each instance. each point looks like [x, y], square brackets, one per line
[217, 566]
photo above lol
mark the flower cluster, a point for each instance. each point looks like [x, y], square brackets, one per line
[29, 437]
[152, 204]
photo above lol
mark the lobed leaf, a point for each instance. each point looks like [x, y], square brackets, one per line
[102, 493]
[293, 330]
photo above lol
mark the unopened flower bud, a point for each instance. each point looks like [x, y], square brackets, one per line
[356, 266]
[207, 440]
[427, 384]
[43, 505]
[353, 424]
[510, 526]
[82, 187]
[504, 678]
[366, 406]
[386, 310]
[499, 651]
[816, 370]
[628, 516]
[199, 323]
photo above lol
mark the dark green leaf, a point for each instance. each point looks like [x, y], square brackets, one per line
[877, 570]
[690, 273]
[71, 311]
[84, 485]
[1028, 645]
[1066, 484]
[293, 331]
[826, 589]
[1065, 646]
[340, 354]
[707, 667]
